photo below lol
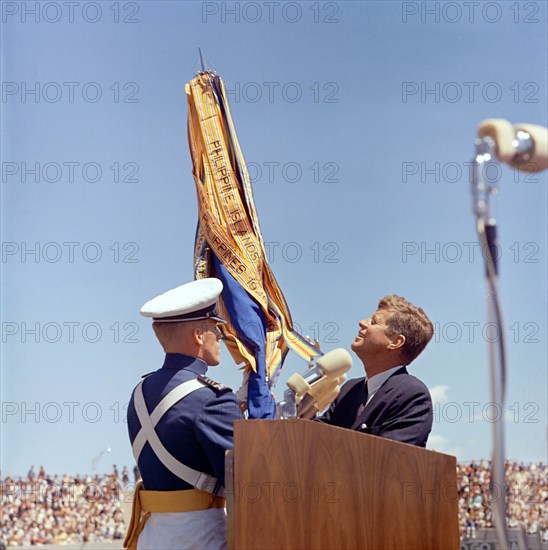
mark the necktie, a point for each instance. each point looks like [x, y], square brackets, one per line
[362, 406]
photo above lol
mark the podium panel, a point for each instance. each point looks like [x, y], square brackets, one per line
[298, 484]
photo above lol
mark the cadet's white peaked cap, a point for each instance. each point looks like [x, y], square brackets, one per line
[190, 302]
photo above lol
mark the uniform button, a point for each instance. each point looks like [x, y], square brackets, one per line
[363, 426]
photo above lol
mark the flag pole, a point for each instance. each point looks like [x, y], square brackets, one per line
[202, 60]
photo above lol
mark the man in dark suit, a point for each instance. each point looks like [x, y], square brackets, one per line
[389, 402]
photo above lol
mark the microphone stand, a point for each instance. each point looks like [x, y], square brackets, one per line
[487, 232]
[486, 150]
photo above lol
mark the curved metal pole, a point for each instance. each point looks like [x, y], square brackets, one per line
[486, 228]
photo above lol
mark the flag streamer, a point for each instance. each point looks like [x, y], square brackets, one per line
[229, 245]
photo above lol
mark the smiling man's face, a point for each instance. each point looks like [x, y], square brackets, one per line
[373, 338]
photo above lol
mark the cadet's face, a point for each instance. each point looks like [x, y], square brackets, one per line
[211, 347]
[373, 336]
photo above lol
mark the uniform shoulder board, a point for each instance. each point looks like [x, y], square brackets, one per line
[213, 384]
[148, 374]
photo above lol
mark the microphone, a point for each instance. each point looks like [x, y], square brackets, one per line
[315, 384]
[321, 394]
[522, 146]
[331, 365]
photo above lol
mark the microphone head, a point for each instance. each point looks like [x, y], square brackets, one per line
[531, 153]
[334, 363]
[502, 132]
[298, 384]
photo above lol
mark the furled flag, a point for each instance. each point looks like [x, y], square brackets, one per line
[229, 245]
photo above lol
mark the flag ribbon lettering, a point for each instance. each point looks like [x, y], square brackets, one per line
[229, 245]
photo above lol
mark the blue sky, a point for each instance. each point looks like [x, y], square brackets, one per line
[357, 120]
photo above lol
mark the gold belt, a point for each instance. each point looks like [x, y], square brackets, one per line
[162, 502]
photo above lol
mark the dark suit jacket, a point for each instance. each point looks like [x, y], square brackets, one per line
[400, 410]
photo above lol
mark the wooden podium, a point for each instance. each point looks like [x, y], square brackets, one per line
[297, 484]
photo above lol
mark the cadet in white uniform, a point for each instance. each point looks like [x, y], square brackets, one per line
[180, 424]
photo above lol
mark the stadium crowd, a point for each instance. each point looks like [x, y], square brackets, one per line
[526, 497]
[41, 509]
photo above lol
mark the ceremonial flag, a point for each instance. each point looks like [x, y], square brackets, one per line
[229, 245]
